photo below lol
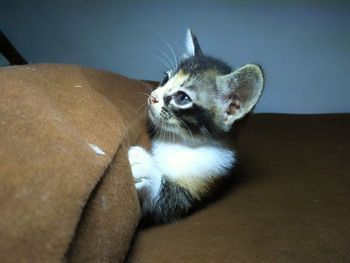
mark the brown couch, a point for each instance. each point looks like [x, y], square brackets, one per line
[67, 194]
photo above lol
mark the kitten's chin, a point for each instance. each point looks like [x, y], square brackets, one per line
[168, 125]
[153, 117]
[172, 131]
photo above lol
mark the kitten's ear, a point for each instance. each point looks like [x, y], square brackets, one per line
[241, 91]
[192, 45]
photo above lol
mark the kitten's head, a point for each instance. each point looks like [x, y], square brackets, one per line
[203, 96]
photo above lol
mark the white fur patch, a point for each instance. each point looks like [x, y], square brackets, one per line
[145, 174]
[176, 161]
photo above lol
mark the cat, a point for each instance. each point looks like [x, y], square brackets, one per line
[191, 109]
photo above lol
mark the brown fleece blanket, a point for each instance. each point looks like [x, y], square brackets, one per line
[66, 190]
[67, 194]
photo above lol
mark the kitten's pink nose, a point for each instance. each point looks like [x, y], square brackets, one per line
[152, 99]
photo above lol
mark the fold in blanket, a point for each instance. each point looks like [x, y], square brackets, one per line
[66, 190]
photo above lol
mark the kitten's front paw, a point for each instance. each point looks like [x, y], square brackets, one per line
[141, 166]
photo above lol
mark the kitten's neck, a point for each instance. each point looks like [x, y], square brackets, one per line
[190, 141]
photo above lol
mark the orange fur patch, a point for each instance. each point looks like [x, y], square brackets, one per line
[198, 186]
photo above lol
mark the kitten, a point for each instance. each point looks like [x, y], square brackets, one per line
[192, 107]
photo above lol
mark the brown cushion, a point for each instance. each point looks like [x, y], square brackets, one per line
[66, 188]
[289, 201]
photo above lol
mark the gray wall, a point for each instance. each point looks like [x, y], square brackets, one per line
[304, 47]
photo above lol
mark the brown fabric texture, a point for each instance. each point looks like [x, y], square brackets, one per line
[289, 200]
[66, 190]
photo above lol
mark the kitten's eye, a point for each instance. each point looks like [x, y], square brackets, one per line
[165, 79]
[181, 98]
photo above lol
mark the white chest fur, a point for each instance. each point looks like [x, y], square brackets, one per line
[176, 160]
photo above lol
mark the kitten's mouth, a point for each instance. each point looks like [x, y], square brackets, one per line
[162, 120]
[152, 114]
[164, 114]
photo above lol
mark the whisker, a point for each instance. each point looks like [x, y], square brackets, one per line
[187, 128]
[166, 42]
[162, 129]
[172, 51]
[141, 107]
[173, 134]
[206, 132]
[165, 55]
[151, 88]
[143, 94]
[145, 84]
[184, 134]
[161, 60]
[146, 109]
[157, 58]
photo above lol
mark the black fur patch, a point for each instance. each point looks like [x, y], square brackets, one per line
[198, 120]
[173, 203]
[199, 64]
